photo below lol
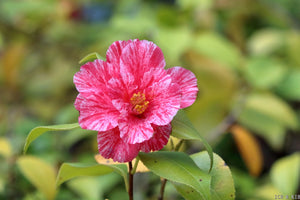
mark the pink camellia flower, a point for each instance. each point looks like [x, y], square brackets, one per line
[130, 99]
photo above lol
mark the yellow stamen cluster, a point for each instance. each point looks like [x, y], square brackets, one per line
[138, 100]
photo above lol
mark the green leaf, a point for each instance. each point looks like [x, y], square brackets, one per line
[218, 49]
[39, 173]
[222, 185]
[36, 132]
[91, 57]
[269, 116]
[285, 174]
[179, 168]
[290, 86]
[71, 170]
[272, 107]
[183, 128]
[268, 128]
[266, 41]
[264, 73]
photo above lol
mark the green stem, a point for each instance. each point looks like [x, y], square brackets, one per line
[130, 174]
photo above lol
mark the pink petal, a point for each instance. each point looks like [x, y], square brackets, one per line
[159, 140]
[139, 57]
[188, 84]
[164, 100]
[110, 145]
[134, 129]
[96, 112]
[91, 78]
[115, 50]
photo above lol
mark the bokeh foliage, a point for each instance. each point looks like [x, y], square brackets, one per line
[245, 54]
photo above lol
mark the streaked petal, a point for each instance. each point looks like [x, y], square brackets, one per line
[96, 112]
[139, 57]
[164, 101]
[159, 140]
[134, 129]
[91, 78]
[115, 50]
[110, 145]
[188, 84]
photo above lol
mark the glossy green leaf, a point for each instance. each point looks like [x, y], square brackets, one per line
[285, 174]
[91, 57]
[179, 168]
[183, 128]
[222, 185]
[71, 170]
[38, 131]
[40, 174]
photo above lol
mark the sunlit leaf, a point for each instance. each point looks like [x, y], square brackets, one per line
[39, 173]
[179, 168]
[222, 185]
[38, 131]
[249, 149]
[183, 128]
[91, 57]
[285, 174]
[71, 170]
[5, 147]
[265, 42]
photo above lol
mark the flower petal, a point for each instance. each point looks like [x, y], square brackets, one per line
[188, 84]
[96, 112]
[134, 129]
[159, 140]
[164, 100]
[139, 57]
[91, 78]
[115, 50]
[110, 145]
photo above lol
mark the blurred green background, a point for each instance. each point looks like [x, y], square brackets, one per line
[245, 54]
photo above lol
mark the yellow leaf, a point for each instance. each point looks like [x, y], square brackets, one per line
[140, 168]
[5, 148]
[249, 149]
[40, 174]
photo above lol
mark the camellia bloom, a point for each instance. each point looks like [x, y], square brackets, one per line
[130, 99]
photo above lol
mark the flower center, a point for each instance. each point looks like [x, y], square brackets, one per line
[139, 103]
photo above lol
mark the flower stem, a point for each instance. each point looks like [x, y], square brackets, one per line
[162, 189]
[130, 174]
